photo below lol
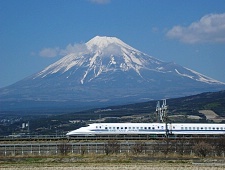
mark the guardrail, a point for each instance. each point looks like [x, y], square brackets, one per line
[31, 137]
[182, 147]
[102, 137]
[30, 149]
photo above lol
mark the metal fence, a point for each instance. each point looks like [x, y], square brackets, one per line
[182, 147]
[96, 148]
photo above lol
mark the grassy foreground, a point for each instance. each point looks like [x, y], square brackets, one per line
[110, 162]
[143, 166]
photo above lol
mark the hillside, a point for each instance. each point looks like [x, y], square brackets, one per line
[106, 72]
[187, 106]
[205, 107]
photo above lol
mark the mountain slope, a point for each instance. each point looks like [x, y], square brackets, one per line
[109, 54]
[105, 71]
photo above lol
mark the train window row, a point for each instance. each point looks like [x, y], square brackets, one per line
[202, 128]
[160, 127]
[130, 128]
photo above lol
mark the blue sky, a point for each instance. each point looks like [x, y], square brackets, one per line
[33, 33]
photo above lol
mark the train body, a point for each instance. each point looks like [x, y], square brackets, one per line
[149, 128]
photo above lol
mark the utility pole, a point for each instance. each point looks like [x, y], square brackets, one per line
[28, 127]
[162, 115]
[165, 118]
[158, 112]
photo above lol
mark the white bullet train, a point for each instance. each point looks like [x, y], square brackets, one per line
[149, 128]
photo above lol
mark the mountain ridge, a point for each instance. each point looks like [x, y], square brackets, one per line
[98, 47]
[106, 71]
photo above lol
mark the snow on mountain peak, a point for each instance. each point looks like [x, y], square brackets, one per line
[101, 42]
[105, 70]
[104, 55]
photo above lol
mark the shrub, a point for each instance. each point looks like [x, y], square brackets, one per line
[112, 146]
[202, 149]
[64, 148]
[138, 147]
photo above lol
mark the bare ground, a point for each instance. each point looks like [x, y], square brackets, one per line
[210, 115]
[111, 162]
[117, 166]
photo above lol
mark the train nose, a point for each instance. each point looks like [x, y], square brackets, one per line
[76, 132]
[69, 133]
[79, 132]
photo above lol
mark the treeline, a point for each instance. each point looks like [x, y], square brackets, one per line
[198, 147]
[61, 123]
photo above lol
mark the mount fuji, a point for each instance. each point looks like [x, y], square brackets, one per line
[104, 71]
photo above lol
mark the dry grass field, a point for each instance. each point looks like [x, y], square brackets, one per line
[114, 166]
[111, 162]
[210, 115]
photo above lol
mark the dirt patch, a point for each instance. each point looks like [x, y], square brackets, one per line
[211, 115]
[112, 162]
[143, 166]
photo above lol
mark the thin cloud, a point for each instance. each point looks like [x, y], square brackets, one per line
[210, 28]
[77, 49]
[100, 1]
[49, 52]
[155, 29]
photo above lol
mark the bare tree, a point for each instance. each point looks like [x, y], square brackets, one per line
[138, 147]
[219, 145]
[202, 149]
[83, 149]
[111, 147]
[64, 148]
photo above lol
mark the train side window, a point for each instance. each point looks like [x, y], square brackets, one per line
[153, 128]
[129, 127]
[201, 128]
[221, 128]
[100, 127]
[133, 127]
[213, 128]
[121, 127]
[149, 127]
[173, 127]
[197, 128]
[205, 128]
[217, 128]
[189, 128]
[96, 127]
[106, 128]
[137, 127]
[185, 128]
[109, 127]
[125, 128]
[162, 127]
[182, 128]
[118, 127]
[209, 128]
[193, 128]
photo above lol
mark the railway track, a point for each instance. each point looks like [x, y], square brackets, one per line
[104, 137]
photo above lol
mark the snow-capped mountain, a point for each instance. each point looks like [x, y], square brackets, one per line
[101, 55]
[109, 54]
[107, 71]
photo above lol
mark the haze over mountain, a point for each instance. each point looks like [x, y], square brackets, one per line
[104, 71]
